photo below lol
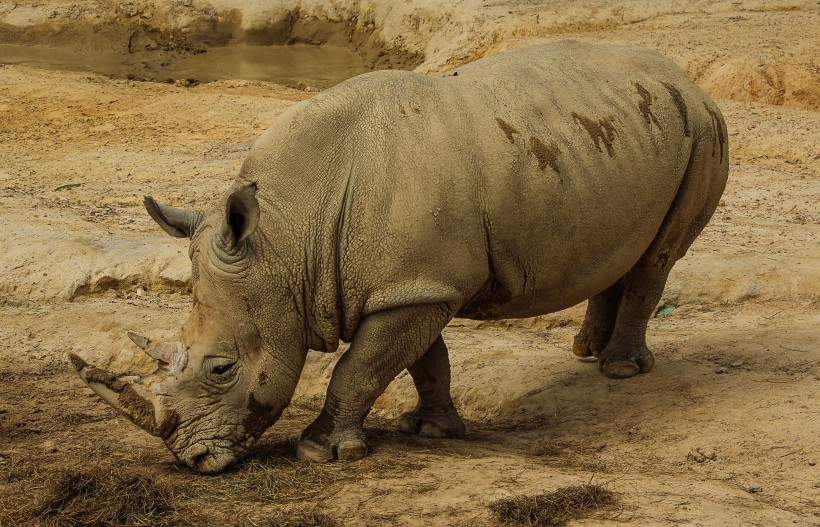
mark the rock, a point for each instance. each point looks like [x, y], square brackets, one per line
[699, 456]
[110, 294]
[129, 10]
[87, 264]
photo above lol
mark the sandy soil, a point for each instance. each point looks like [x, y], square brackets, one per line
[724, 430]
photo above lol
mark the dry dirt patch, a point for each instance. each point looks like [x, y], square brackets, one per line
[736, 50]
[728, 411]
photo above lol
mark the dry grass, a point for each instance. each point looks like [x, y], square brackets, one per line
[259, 493]
[271, 489]
[283, 481]
[96, 483]
[300, 519]
[555, 508]
[105, 498]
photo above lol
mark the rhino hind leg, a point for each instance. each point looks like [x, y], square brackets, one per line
[626, 354]
[599, 321]
[435, 414]
[385, 343]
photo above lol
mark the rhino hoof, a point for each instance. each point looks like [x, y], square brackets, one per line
[432, 429]
[583, 347]
[409, 423]
[588, 344]
[441, 426]
[580, 347]
[620, 369]
[344, 447]
[308, 450]
[623, 367]
[351, 450]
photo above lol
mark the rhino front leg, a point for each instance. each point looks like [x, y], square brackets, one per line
[435, 414]
[385, 343]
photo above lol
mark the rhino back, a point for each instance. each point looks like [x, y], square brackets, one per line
[524, 184]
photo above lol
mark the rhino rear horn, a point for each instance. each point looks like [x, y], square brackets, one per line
[171, 356]
[139, 340]
[180, 223]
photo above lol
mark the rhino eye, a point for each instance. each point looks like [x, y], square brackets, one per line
[222, 368]
[219, 369]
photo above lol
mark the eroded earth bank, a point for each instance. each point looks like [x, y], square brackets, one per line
[724, 430]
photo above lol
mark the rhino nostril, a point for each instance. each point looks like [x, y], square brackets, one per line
[196, 455]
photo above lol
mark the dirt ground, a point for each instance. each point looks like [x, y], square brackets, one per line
[725, 431]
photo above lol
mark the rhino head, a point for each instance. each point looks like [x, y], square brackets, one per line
[229, 376]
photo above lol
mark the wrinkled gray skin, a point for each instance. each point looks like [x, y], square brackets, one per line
[380, 209]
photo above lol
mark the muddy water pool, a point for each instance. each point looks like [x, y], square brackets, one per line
[320, 66]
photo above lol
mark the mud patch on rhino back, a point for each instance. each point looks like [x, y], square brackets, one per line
[600, 131]
[546, 154]
[717, 126]
[645, 106]
[507, 128]
[680, 104]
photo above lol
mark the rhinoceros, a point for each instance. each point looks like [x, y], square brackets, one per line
[380, 209]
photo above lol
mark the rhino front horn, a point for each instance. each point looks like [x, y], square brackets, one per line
[126, 395]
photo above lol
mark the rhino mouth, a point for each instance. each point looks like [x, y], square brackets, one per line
[208, 459]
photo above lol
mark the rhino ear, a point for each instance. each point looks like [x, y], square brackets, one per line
[241, 215]
[180, 223]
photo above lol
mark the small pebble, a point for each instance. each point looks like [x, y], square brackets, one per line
[721, 370]
[755, 490]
